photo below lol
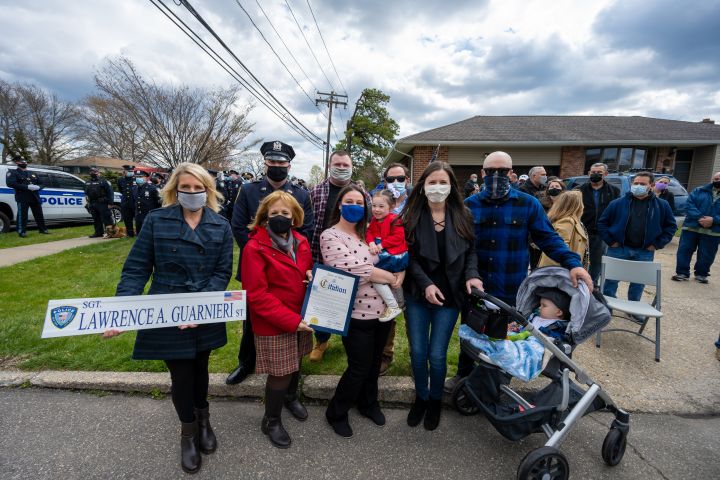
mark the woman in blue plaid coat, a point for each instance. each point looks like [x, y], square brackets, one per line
[186, 247]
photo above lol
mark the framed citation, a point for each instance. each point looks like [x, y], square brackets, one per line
[329, 300]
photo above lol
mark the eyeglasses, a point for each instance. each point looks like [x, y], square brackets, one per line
[399, 178]
[500, 172]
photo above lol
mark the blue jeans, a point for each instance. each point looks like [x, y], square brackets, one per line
[706, 246]
[429, 330]
[628, 253]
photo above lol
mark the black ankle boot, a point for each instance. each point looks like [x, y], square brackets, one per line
[417, 412]
[208, 442]
[272, 422]
[292, 402]
[432, 417]
[190, 459]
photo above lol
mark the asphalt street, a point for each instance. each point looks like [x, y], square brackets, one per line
[71, 435]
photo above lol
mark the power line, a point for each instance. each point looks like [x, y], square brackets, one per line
[187, 30]
[202, 21]
[308, 44]
[324, 45]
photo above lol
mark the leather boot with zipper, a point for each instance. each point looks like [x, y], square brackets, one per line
[190, 459]
[292, 402]
[272, 422]
[208, 442]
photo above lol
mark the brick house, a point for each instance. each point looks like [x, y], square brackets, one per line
[567, 145]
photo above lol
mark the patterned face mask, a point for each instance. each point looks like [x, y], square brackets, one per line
[497, 184]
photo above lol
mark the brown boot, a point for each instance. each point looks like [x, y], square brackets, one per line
[317, 353]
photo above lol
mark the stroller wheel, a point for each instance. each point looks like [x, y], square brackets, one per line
[462, 401]
[544, 463]
[613, 447]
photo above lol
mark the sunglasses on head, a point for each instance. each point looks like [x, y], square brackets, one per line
[500, 172]
[399, 178]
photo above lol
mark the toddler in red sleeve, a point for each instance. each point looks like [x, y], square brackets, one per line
[386, 239]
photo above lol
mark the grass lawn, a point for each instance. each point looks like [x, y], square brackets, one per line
[94, 271]
[12, 239]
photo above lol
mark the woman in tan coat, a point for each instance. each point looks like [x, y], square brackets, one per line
[565, 217]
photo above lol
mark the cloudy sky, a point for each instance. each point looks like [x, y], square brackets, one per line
[440, 61]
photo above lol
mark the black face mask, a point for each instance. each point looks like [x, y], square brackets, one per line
[22, 165]
[94, 176]
[279, 224]
[277, 174]
[554, 192]
[596, 177]
[716, 185]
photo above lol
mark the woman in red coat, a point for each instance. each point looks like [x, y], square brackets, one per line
[276, 267]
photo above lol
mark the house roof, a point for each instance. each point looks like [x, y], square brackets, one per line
[567, 130]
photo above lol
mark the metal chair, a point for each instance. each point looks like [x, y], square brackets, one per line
[648, 273]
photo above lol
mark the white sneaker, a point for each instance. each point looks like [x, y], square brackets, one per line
[389, 314]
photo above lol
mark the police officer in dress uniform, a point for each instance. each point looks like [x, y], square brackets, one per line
[126, 183]
[232, 187]
[99, 195]
[27, 195]
[147, 198]
[278, 156]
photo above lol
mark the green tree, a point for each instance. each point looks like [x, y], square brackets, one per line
[371, 133]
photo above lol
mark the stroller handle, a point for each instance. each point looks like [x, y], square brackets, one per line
[502, 305]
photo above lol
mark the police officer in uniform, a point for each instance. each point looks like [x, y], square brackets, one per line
[126, 183]
[27, 195]
[278, 156]
[232, 187]
[99, 195]
[147, 198]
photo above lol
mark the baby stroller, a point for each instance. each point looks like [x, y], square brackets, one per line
[555, 409]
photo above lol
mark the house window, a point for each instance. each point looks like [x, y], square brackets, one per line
[619, 159]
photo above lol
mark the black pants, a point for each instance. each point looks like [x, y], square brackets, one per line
[246, 354]
[139, 219]
[190, 380]
[128, 215]
[597, 249]
[101, 216]
[22, 215]
[364, 346]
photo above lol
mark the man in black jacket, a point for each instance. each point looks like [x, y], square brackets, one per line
[597, 195]
[99, 197]
[27, 187]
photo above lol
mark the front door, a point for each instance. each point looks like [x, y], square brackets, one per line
[683, 161]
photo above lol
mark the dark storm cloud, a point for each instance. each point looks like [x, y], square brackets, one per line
[681, 33]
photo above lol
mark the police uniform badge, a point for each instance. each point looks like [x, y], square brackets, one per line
[277, 146]
[62, 316]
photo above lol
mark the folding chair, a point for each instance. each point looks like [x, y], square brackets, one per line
[648, 273]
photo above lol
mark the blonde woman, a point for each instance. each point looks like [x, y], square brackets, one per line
[186, 247]
[565, 217]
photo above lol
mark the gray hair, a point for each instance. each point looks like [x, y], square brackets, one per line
[534, 170]
[603, 165]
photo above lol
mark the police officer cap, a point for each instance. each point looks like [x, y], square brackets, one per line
[233, 172]
[277, 150]
[94, 170]
[19, 159]
[212, 172]
[128, 168]
[141, 173]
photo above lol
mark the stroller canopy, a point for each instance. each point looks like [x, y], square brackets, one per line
[588, 314]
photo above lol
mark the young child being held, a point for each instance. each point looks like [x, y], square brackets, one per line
[386, 238]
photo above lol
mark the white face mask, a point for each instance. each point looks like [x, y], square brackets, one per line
[341, 174]
[192, 201]
[437, 193]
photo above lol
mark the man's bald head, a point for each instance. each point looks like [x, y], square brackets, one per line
[498, 160]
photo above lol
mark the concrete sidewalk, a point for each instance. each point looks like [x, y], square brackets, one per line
[685, 381]
[11, 256]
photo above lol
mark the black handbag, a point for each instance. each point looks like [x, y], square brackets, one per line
[479, 317]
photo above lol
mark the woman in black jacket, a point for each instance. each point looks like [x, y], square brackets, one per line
[662, 191]
[186, 247]
[443, 266]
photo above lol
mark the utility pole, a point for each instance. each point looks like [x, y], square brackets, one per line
[331, 99]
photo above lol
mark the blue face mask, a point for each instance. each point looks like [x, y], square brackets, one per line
[352, 213]
[139, 180]
[129, 174]
[638, 190]
[398, 189]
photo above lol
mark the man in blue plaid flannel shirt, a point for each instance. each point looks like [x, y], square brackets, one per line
[503, 218]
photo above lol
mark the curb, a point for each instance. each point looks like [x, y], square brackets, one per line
[315, 389]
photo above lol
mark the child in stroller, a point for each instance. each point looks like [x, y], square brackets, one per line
[555, 409]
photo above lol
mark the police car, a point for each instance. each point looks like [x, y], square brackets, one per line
[62, 197]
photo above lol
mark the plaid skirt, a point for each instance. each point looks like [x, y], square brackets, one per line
[280, 355]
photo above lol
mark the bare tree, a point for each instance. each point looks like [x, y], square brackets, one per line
[12, 118]
[178, 124]
[252, 162]
[107, 130]
[51, 124]
[316, 176]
